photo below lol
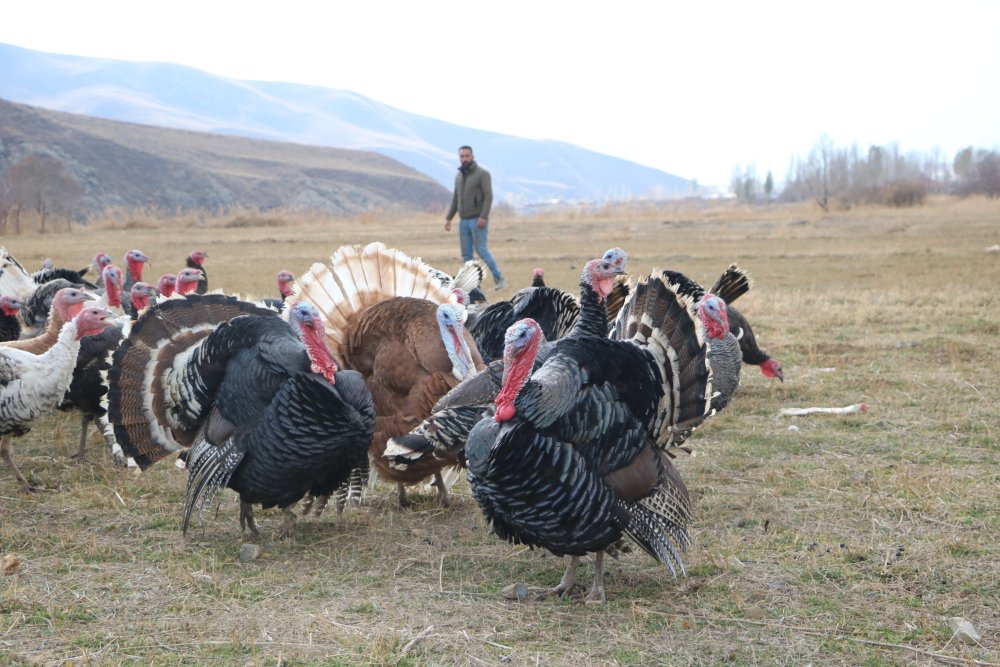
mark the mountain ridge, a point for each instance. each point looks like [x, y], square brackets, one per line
[524, 170]
[128, 165]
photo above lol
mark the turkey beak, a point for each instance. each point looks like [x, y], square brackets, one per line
[87, 296]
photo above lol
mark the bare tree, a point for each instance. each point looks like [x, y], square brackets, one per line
[815, 172]
[41, 183]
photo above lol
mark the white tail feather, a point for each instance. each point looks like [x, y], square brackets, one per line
[361, 277]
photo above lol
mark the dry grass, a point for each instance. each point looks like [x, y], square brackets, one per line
[846, 542]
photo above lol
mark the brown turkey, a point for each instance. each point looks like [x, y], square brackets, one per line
[390, 319]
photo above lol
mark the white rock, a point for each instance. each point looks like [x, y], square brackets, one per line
[962, 630]
[793, 427]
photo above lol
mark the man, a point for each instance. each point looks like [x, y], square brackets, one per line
[472, 200]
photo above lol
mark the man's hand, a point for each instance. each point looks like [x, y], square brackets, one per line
[447, 225]
[481, 223]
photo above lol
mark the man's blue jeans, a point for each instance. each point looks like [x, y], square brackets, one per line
[471, 236]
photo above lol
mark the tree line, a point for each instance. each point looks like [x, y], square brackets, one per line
[40, 185]
[848, 176]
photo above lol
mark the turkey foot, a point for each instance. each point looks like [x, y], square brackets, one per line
[568, 582]
[246, 519]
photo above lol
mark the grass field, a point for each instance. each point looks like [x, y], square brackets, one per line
[848, 541]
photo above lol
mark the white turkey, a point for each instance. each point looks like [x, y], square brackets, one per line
[576, 455]
[32, 385]
[14, 280]
[390, 320]
[259, 401]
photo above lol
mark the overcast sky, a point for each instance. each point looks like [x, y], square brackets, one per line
[692, 88]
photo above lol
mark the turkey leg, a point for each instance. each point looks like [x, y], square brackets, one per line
[8, 457]
[596, 594]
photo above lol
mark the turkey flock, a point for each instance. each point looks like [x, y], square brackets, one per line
[564, 410]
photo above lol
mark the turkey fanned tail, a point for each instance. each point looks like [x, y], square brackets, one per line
[732, 284]
[663, 321]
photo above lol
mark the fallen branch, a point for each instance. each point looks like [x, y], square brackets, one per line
[798, 412]
[413, 642]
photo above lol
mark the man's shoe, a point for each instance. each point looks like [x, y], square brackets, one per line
[500, 284]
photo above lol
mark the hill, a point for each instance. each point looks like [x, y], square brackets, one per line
[126, 165]
[524, 170]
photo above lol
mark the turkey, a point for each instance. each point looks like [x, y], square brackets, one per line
[10, 324]
[259, 401]
[538, 277]
[101, 259]
[724, 352]
[189, 281]
[166, 284]
[725, 337]
[113, 290]
[286, 288]
[66, 304]
[733, 283]
[390, 320]
[89, 386]
[576, 454]
[14, 280]
[135, 262]
[196, 260]
[553, 309]
[33, 384]
[36, 309]
[140, 297]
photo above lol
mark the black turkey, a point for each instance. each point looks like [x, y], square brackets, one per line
[733, 283]
[10, 324]
[196, 260]
[553, 309]
[575, 456]
[259, 402]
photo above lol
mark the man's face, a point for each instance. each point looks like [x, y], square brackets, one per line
[465, 156]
